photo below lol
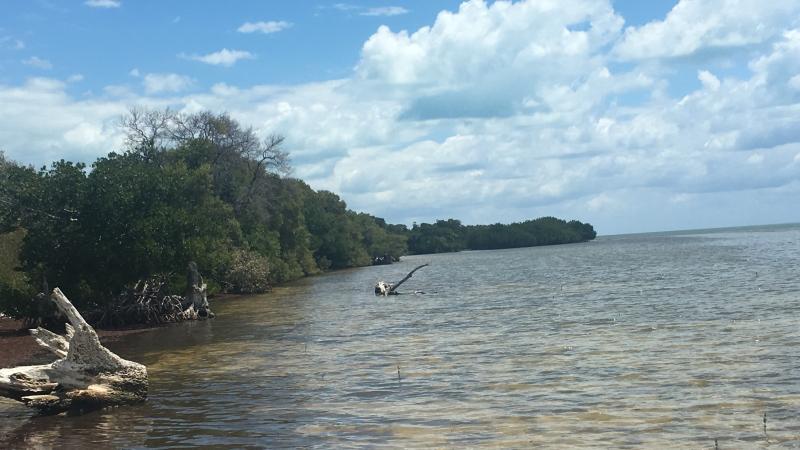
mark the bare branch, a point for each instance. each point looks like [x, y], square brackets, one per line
[147, 130]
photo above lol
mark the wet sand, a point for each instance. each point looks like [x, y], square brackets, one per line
[18, 348]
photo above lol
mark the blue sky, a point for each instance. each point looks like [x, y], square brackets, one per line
[323, 40]
[633, 115]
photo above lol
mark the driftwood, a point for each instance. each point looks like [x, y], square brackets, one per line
[87, 376]
[148, 302]
[195, 305]
[384, 288]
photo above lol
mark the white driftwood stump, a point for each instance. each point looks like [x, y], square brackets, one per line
[87, 376]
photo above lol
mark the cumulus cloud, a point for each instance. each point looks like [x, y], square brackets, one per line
[39, 63]
[385, 11]
[157, 83]
[264, 27]
[103, 3]
[694, 26]
[224, 57]
[708, 79]
[481, 41]
[504, 111]
[78, 130]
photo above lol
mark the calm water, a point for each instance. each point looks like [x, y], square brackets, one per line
[663, 341]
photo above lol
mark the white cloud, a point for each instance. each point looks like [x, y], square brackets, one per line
[694, 26]
[135, 72]
[500, 111]
[264, 27]
[224, 57]
[120, 91]
[708, 79]
[39, 63]
[782, 64]
[378, 11]
[11, 43]
[484, 42]
[157, 83]
[103, 3]
[345, 7]
[79, 130]
[385, 11]
[600, 202]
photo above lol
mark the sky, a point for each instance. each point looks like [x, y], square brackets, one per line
[634, 116]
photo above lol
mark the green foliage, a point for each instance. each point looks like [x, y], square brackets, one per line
[450, 235]
[248, 272]
[15, 291]
[10, 244]
[189, 188]
[440, 237]
[380, 239]
[201, 188]
[338, 237]
[145, 217]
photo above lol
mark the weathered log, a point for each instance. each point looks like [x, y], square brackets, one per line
[384, 288]
[87, 376]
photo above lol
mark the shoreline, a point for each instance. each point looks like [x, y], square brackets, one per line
[18, 347]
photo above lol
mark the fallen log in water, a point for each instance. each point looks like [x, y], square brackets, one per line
[384, 288]
[87, 376]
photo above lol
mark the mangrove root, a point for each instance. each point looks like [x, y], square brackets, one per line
[87, 376]
[384, 288]
[147, 302]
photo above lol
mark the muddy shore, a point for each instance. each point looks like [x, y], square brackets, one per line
[17, 347]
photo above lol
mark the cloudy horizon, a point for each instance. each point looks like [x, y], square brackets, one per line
[676, 115]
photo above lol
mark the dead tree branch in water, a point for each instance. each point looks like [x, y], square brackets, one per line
[384, 288]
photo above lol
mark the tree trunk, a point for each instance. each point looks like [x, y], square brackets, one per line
[384, 288]
[87, 376]
[195, 305]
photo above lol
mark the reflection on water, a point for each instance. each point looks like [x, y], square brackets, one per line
[659, 340]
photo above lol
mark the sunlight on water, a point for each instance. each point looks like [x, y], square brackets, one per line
[668, 341]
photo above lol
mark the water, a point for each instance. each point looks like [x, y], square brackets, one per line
[665, 341]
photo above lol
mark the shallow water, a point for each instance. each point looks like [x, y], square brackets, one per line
[659, 340]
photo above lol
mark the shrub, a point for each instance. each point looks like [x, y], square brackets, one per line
[248, 273]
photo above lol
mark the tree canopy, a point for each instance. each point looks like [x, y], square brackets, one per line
[202, 187]
[451, 236]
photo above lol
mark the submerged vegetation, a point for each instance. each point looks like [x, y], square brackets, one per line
[201, 187]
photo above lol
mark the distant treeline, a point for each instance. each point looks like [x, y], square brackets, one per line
[201, 187]
[451, 236]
